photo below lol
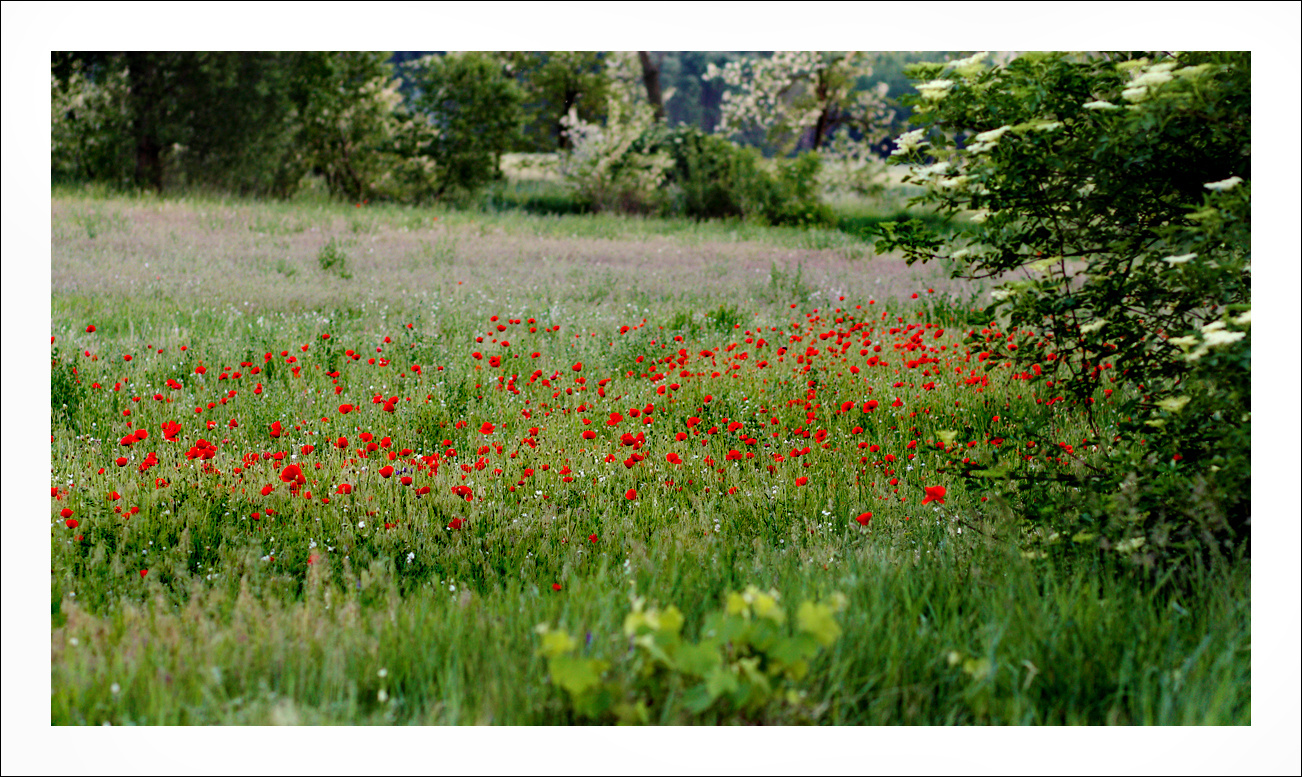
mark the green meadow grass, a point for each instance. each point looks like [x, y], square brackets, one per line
[185, 595]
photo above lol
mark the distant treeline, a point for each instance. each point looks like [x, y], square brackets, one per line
[384, 125]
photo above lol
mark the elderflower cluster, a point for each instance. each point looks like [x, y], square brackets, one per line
[968, 66]
[910, 141]
[935, 90]
[1149, 79]
[1214, 335]
[987, 140]
[1224, 186]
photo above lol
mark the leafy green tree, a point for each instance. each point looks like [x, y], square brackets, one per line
[474, 107]
[347, 119]
[90, 125]
[554, 84]
[1109, 197]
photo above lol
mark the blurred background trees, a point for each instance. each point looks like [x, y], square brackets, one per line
[421, 126]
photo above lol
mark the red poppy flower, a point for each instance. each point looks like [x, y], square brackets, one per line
[934, 494]
[91, 328]
[307, 449]
[456, 523]
[589, 434]
[276, 429]
[556, 586]
[592, 538]
[487, 428]
[345, 409]
[65, 513]
[864, 519]
[800, 481]
[71, 523]
[344, 488]
[266, 490]
[386, 471]
[630, 494]
[144, 572]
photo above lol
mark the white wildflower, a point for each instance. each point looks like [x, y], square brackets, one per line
[968, 66]
[1099, 105]
[909, 141]
[1212, 327]
[1245, 319]
[1224, 186]
[1181, 259]
[1130, 545]
[1001, 294]
[1184, 342]
[935, 90]
[1135, 94]
[1222, 337]
[992, 136]
[1173, 404]
[1152, 78]
[980, 216]
[940, 168]
[1093, 326]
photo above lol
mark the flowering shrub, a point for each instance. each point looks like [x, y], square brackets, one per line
[746, 666]
[1109, 199]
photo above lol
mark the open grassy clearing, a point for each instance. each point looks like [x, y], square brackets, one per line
[572, 411]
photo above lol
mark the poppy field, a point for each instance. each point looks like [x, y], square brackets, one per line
[469, 468]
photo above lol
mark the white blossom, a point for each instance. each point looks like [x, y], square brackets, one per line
[910, 141]
[1224, 186]
[1099, 105]
[1223, 337]
[1173, 260]
[992, 136]
[935, 90]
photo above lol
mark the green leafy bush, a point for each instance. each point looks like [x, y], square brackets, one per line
[1109, 196]
[746, 666]
[712, 177]
[474, 108]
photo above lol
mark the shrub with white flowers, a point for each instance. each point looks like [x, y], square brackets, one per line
[1108, 197]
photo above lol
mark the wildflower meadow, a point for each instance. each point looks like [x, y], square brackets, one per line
[478, 495]
[416, 400]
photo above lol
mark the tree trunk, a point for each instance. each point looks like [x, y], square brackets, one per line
[143, 80]
[820, 129]
[651, 77]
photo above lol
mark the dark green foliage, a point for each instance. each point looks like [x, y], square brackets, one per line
[474, 107]
[1118, 188]
[554, 83]
[715, 178]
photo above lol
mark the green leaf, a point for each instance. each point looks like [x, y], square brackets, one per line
[576, 675]
[721, 680]
[818, 620]
[698, 660]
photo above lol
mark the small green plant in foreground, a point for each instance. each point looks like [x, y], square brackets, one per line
[333, 259]
[748, 659]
